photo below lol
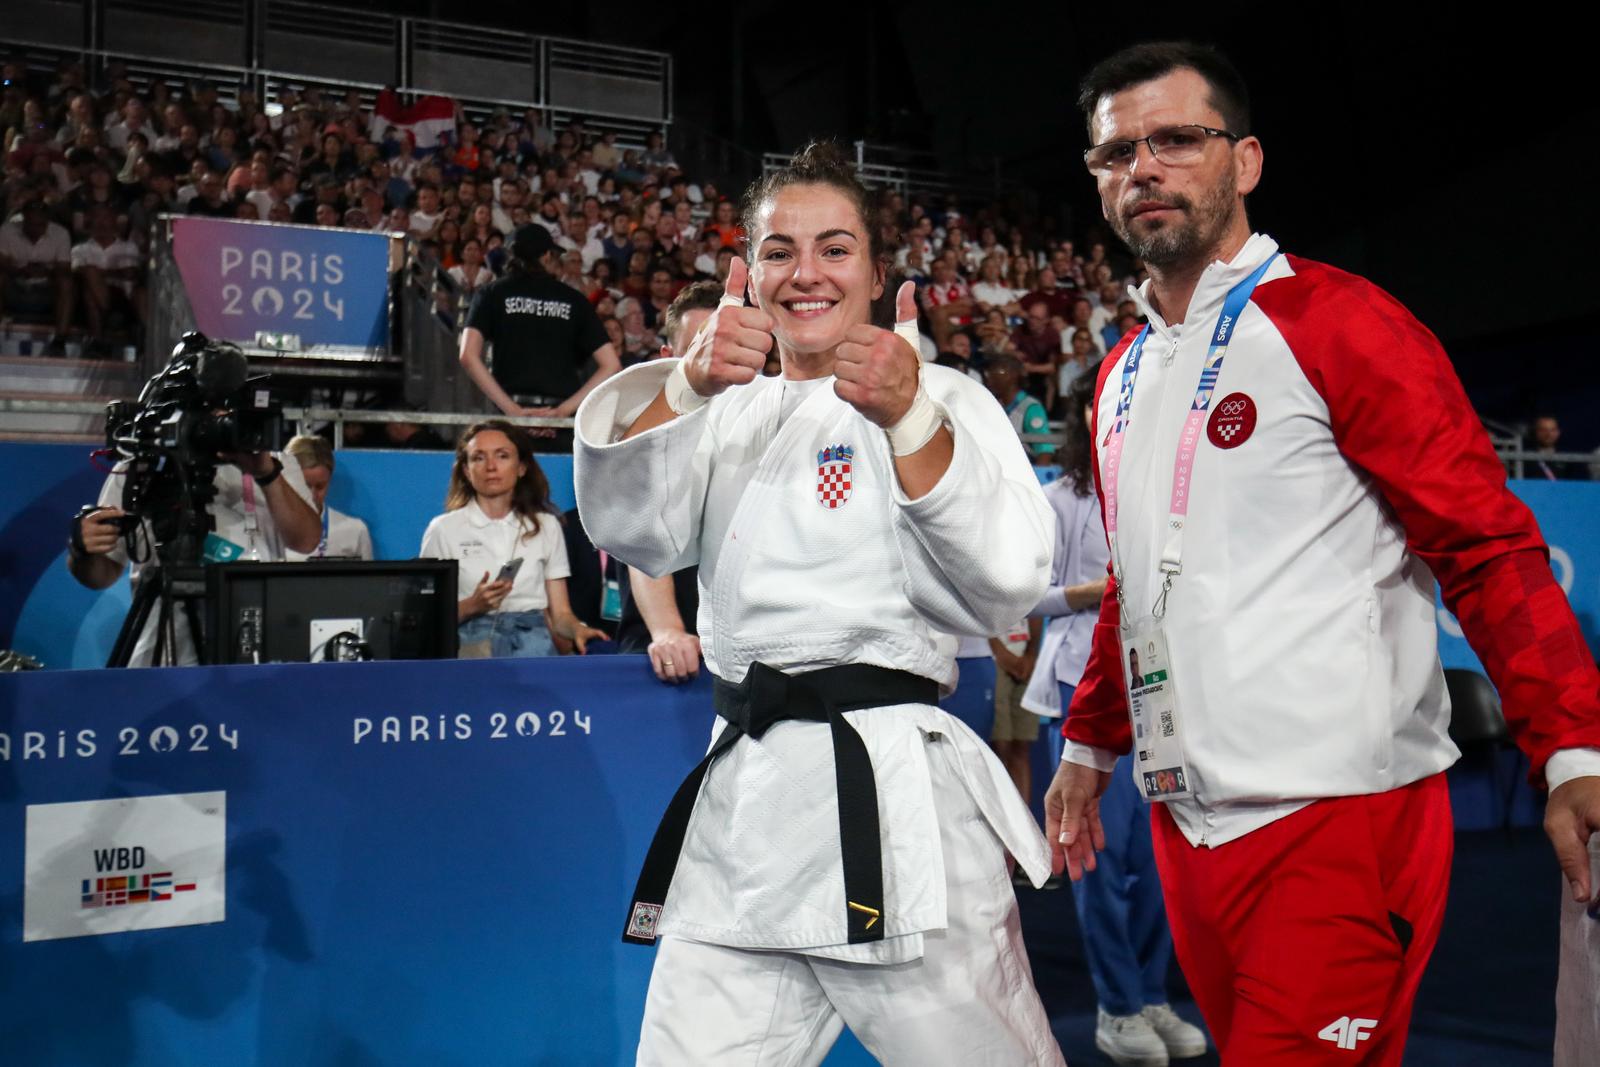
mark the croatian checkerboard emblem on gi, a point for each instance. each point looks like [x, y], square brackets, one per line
[833, 476]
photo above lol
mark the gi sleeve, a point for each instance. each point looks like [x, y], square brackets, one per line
[642, 499]
[977, 546]
[1399, 413]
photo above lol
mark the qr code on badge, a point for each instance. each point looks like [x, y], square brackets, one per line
[1166, 724]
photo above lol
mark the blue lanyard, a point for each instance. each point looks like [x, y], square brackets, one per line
[1188, 441]
[1232, 308]
[322, 545]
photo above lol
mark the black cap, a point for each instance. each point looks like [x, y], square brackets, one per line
[530, 242]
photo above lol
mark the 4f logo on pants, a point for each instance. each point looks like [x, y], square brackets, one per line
[1345, 1031]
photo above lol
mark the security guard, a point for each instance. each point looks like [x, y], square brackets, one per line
[544, 334]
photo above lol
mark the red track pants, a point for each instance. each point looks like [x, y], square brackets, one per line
[1304, 941]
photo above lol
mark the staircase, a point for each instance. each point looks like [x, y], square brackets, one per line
[31, 384]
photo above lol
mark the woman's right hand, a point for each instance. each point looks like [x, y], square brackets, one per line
[731, 347]
[485, 598]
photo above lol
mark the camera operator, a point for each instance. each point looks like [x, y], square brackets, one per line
[261, 507]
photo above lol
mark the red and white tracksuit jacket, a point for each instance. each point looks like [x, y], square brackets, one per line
[1301, 630]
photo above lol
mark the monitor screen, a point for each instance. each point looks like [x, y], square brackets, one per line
[331, 610]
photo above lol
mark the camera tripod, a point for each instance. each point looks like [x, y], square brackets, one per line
[166, 591]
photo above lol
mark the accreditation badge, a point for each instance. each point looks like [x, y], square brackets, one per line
[611, 601]
[1159, 766]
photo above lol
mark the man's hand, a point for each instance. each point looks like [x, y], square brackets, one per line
[100, 531]
[1072, 818]
[675, 656]
[1570, 815]
[877, 370]
[731, 346]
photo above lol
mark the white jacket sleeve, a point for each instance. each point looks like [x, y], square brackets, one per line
[641, 499]
[977, 546]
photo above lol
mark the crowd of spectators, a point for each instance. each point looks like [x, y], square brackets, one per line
[102, 161]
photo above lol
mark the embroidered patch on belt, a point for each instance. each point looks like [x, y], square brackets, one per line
[1233, 420]
[642, 923]
[833, 476]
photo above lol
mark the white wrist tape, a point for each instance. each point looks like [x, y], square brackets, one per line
[917, 427]
[681, 397]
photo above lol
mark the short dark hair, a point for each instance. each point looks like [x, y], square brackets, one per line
[1141, 63]
[699, 296]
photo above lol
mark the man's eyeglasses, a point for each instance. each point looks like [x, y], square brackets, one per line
[1175, 145]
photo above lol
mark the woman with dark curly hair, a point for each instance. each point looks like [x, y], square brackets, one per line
[500, 525]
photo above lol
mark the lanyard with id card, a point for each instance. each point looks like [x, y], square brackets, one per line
[1161, 770]
[611, 591]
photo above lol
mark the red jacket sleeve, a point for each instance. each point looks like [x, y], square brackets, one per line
[1099, 712]
[1398, 412]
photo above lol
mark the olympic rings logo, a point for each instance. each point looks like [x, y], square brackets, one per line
[1233, 407]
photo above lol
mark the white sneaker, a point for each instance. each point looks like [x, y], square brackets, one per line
[1182, 1039]
[1129, 1040]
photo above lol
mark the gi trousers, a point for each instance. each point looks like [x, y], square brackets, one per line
[968, 1001]
[1304, 941]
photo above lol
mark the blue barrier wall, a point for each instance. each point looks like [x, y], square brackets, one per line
[440, 900]
[48, 615]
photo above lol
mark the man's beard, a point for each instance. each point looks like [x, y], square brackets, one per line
[1178, 243]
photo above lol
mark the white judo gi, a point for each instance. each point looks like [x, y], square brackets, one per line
[811, 556]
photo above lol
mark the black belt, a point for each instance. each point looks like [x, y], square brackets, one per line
[768, 696]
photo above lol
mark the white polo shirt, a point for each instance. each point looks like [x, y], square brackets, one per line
[115, 256]
[482, 544]
[348, 538]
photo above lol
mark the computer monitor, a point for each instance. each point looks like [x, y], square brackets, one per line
[300, 612]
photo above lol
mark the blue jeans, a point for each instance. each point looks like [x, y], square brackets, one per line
[1121, 914]
[511, 634]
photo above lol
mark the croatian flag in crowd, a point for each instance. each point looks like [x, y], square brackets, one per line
[431, 120]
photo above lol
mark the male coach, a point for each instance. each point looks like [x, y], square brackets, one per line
[1287, 464]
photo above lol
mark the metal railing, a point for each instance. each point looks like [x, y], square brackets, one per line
[312, 419]
[257, 41]
[910, 171]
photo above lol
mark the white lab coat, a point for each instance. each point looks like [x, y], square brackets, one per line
[786, 581]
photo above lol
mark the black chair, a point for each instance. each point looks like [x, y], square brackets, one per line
[1478, 727]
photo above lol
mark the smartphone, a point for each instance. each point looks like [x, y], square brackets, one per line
[508, 573]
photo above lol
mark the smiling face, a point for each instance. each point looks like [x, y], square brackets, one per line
[1170, 215]
[813, 270]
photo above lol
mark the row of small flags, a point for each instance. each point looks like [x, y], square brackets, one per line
[131, 889]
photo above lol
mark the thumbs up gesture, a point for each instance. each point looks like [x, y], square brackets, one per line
[876, 371]
[731, 346]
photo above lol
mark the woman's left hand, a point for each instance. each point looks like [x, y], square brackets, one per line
[581, 633]
[877, 371]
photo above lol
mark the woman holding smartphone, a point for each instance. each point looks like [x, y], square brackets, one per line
[500, 526]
